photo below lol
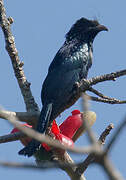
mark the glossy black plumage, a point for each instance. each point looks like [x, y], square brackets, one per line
[70, 65]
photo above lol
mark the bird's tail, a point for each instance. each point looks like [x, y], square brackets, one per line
[34, 145]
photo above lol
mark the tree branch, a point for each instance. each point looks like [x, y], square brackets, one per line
[86, 84]
[41, 166]
[91, 157]
[28, 117]
[64, 159]
[106, 77]
[91, 89]
[11, 137]
[112, 172]
[108, 101]
[116, 134]
[24, 85]
[103, 98]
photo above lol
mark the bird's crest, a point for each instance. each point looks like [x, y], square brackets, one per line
[80, 26]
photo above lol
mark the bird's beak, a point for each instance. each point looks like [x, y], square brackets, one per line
[101, 28]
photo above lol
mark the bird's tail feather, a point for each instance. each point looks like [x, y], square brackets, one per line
[44, 118]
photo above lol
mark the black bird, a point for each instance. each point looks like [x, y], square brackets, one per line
[69, 66]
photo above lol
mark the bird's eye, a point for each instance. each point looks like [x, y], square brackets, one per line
[95, 23]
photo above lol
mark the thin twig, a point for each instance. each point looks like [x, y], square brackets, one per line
[112, 100]
[41, 166]
[106, 77]
[104, 98]
[24, 85]
[85, 84]
[105, 133]
[91, 157]
[12, 137]
[116, 134]
[112, 172]
[108, 101]
[91, 89]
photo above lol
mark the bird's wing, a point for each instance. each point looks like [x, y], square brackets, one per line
[62, 55]
[58, 88]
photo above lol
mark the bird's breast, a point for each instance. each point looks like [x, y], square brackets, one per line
[83, 55]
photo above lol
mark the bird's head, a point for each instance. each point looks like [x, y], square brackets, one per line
[85, 30]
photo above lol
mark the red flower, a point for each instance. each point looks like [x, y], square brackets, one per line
[71, 124]
[64, 133]
[26, 140]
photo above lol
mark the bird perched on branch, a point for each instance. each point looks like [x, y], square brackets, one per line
[69, 66]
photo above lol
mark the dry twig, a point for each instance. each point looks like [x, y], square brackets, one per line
[116, 134]
[108, 101]
[102, 78]
[11, 137]
[103, 98]
[90, 159]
